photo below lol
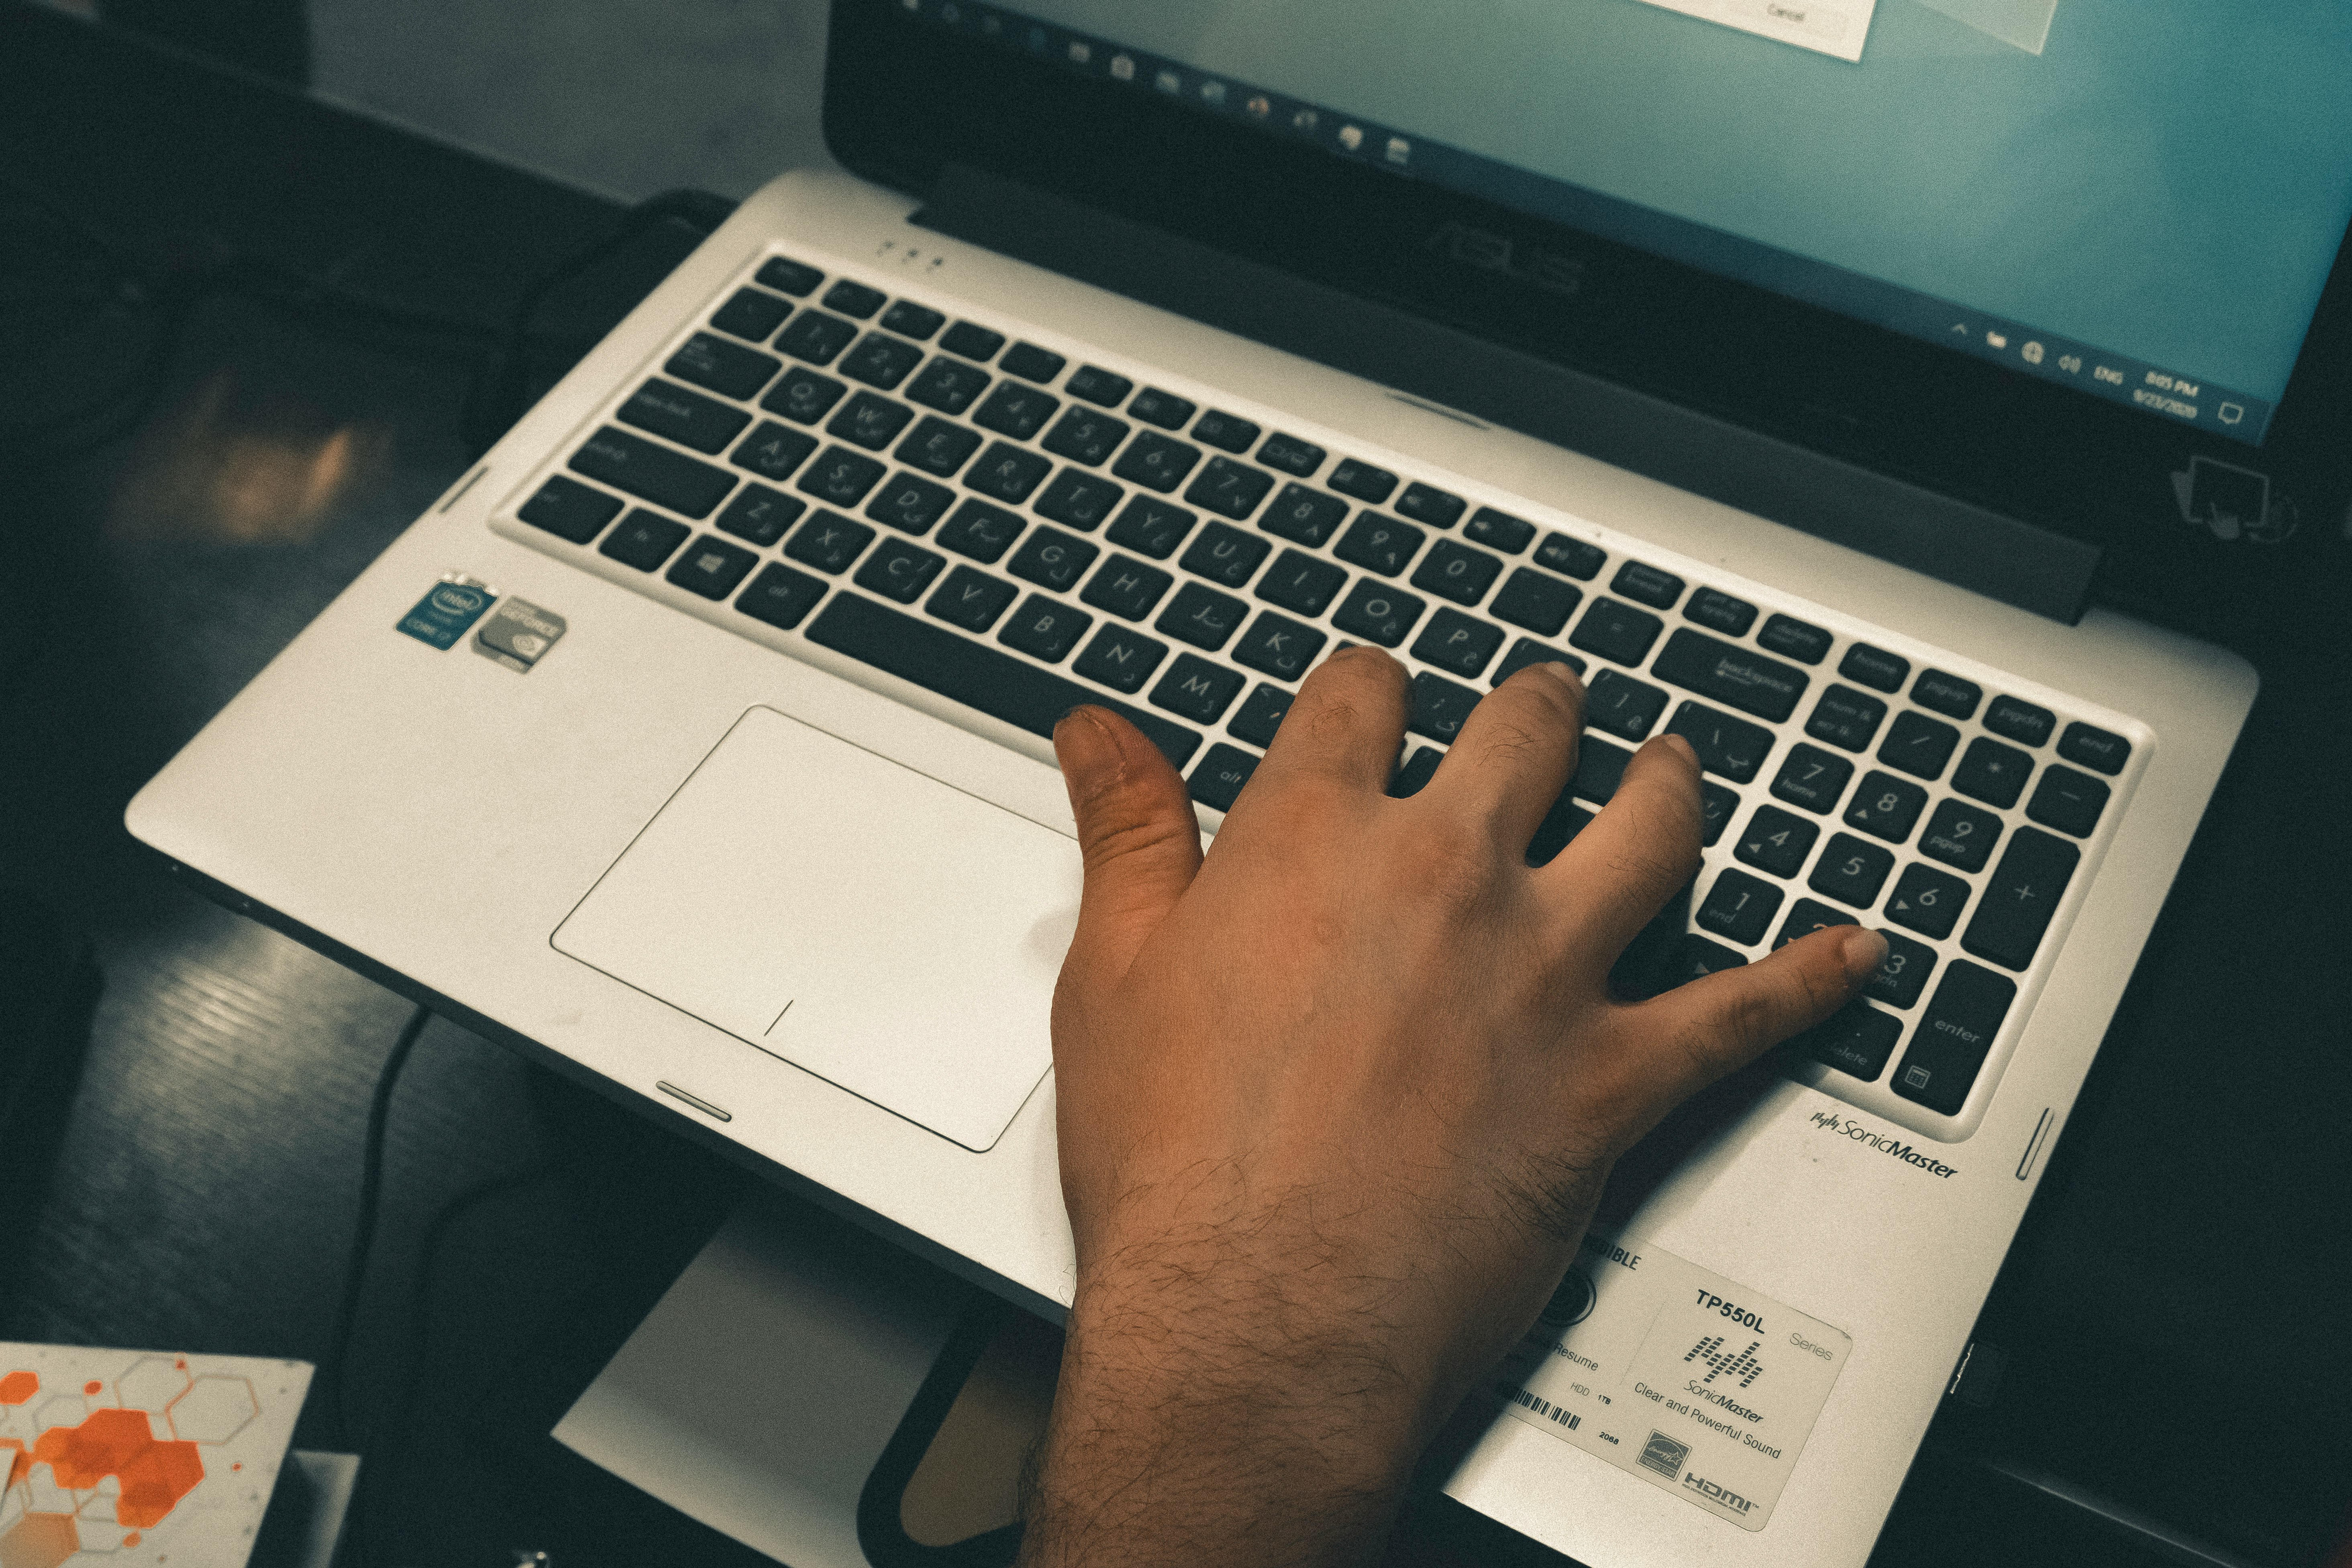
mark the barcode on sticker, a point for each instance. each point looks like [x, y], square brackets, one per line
[1543, 1407]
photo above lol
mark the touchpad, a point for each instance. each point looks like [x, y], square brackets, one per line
[885, 932]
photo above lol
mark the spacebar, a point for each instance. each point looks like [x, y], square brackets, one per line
[979, 676]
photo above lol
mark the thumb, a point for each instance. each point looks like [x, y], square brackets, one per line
[1136, 829]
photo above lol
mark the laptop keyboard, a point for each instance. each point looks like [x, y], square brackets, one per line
[1021, 530]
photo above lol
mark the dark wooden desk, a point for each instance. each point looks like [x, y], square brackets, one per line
[191, 1181]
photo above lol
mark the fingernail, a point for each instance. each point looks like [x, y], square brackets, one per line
[1864, 950]
[1560, 670]
[1689, 753]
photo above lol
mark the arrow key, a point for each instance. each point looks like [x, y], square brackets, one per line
[1928, 901]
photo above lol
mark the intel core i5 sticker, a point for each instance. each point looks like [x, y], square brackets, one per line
[519, 636]
[442, 617]
[1687, 1379]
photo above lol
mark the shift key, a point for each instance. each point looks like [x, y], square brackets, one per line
[1731, 673]
[653, 472]
[2024, 893]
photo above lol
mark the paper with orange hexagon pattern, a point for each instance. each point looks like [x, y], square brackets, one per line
[137, 1458]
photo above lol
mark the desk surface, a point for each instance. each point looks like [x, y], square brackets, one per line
[199, 1175]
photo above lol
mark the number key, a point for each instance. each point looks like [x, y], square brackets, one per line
[1813, 779]
[1807, 916]
[1739, 907]
[1928, 901]
[1851, 871]
[1904, 975]
[1961, 835]
[1887, 806]
[1777, 840]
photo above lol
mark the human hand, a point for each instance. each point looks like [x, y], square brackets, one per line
[1337, 1104]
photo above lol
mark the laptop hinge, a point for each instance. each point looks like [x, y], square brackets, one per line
[1968, 546]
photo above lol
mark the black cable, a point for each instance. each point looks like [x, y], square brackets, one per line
[363, 1230]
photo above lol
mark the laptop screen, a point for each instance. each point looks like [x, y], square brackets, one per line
[2139, 198]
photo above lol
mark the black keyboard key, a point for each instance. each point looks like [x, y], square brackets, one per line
[1300, 583]
[1918, 744]
[1946, 694]
[1645, 584]
[1729, 673]
[909, 320]
[790, 277]
[1304, 515]
[838, 475]
[1226, 431]
[1378, 543]
[2094, 748]
[1454, 641]
[1599, 767]
[1961, 835]
[1557, 829]
[1414, 775]
[751, 316]
[1016, 410]
[1096, 384]
[1085, 435]
[1261, 716]
[2014, 720]
[1052, 559]
[1844, 717]
[1375, 612]
[1498, 529]
[1455, 572]
[728, 369]
[871, 421]
[972, 341]
[1928, 901]
[652, 472]
[1776, 841]
[939, 447]
[1121, 660]
[1720, 612]
[1155, 461]
[1992, 773]
[880, 360]
[1352, 477]
[1857, 1040]
[1732, 748]
[1196, 689]
[1200, 615]
[899, 571]
[1045, 629]
[781, 597]
[1886, 806]
[947, 386]
[1536, 600]
[909, 504]
[1813, 778]
[1874, 667]
[971, 599]
[1224, 555]
[828, 542]
[1903, 977]
[570, 510]
[2020, 898]
[1440, 707]
[773, 452]
[1806, 917]
[1572, 557]
[1715, 806]
[644, 540]
[1230, 488]
[1079, 498]
[1278, 646]
[1007, 473]
[804, 397]
[1625, 707]
[1291, 454]
[1953, 1036]
[1031, 363]
[1801, 640]
[759, 514]
[1164, 409]
[982, 531]
[1619, 632]
[1739, 907]
[1442, 509]
[1851, 871]
[976, 674]
[1217, 782]
[816, 336]
[854, 299]
[2067, 801]
[1126, 587]
[1528, 651]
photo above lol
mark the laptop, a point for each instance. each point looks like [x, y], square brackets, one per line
[1869, 393]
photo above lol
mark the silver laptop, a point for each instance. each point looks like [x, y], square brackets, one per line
[1816, 378]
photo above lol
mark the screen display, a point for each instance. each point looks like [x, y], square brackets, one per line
[2142, 198]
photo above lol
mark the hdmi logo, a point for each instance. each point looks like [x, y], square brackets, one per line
[1713, 1493]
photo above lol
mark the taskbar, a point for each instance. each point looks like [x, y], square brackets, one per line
[2162, 392]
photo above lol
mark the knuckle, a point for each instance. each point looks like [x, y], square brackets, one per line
[1135, 833]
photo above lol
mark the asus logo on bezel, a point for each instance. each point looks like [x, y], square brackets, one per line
[1491, 252]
